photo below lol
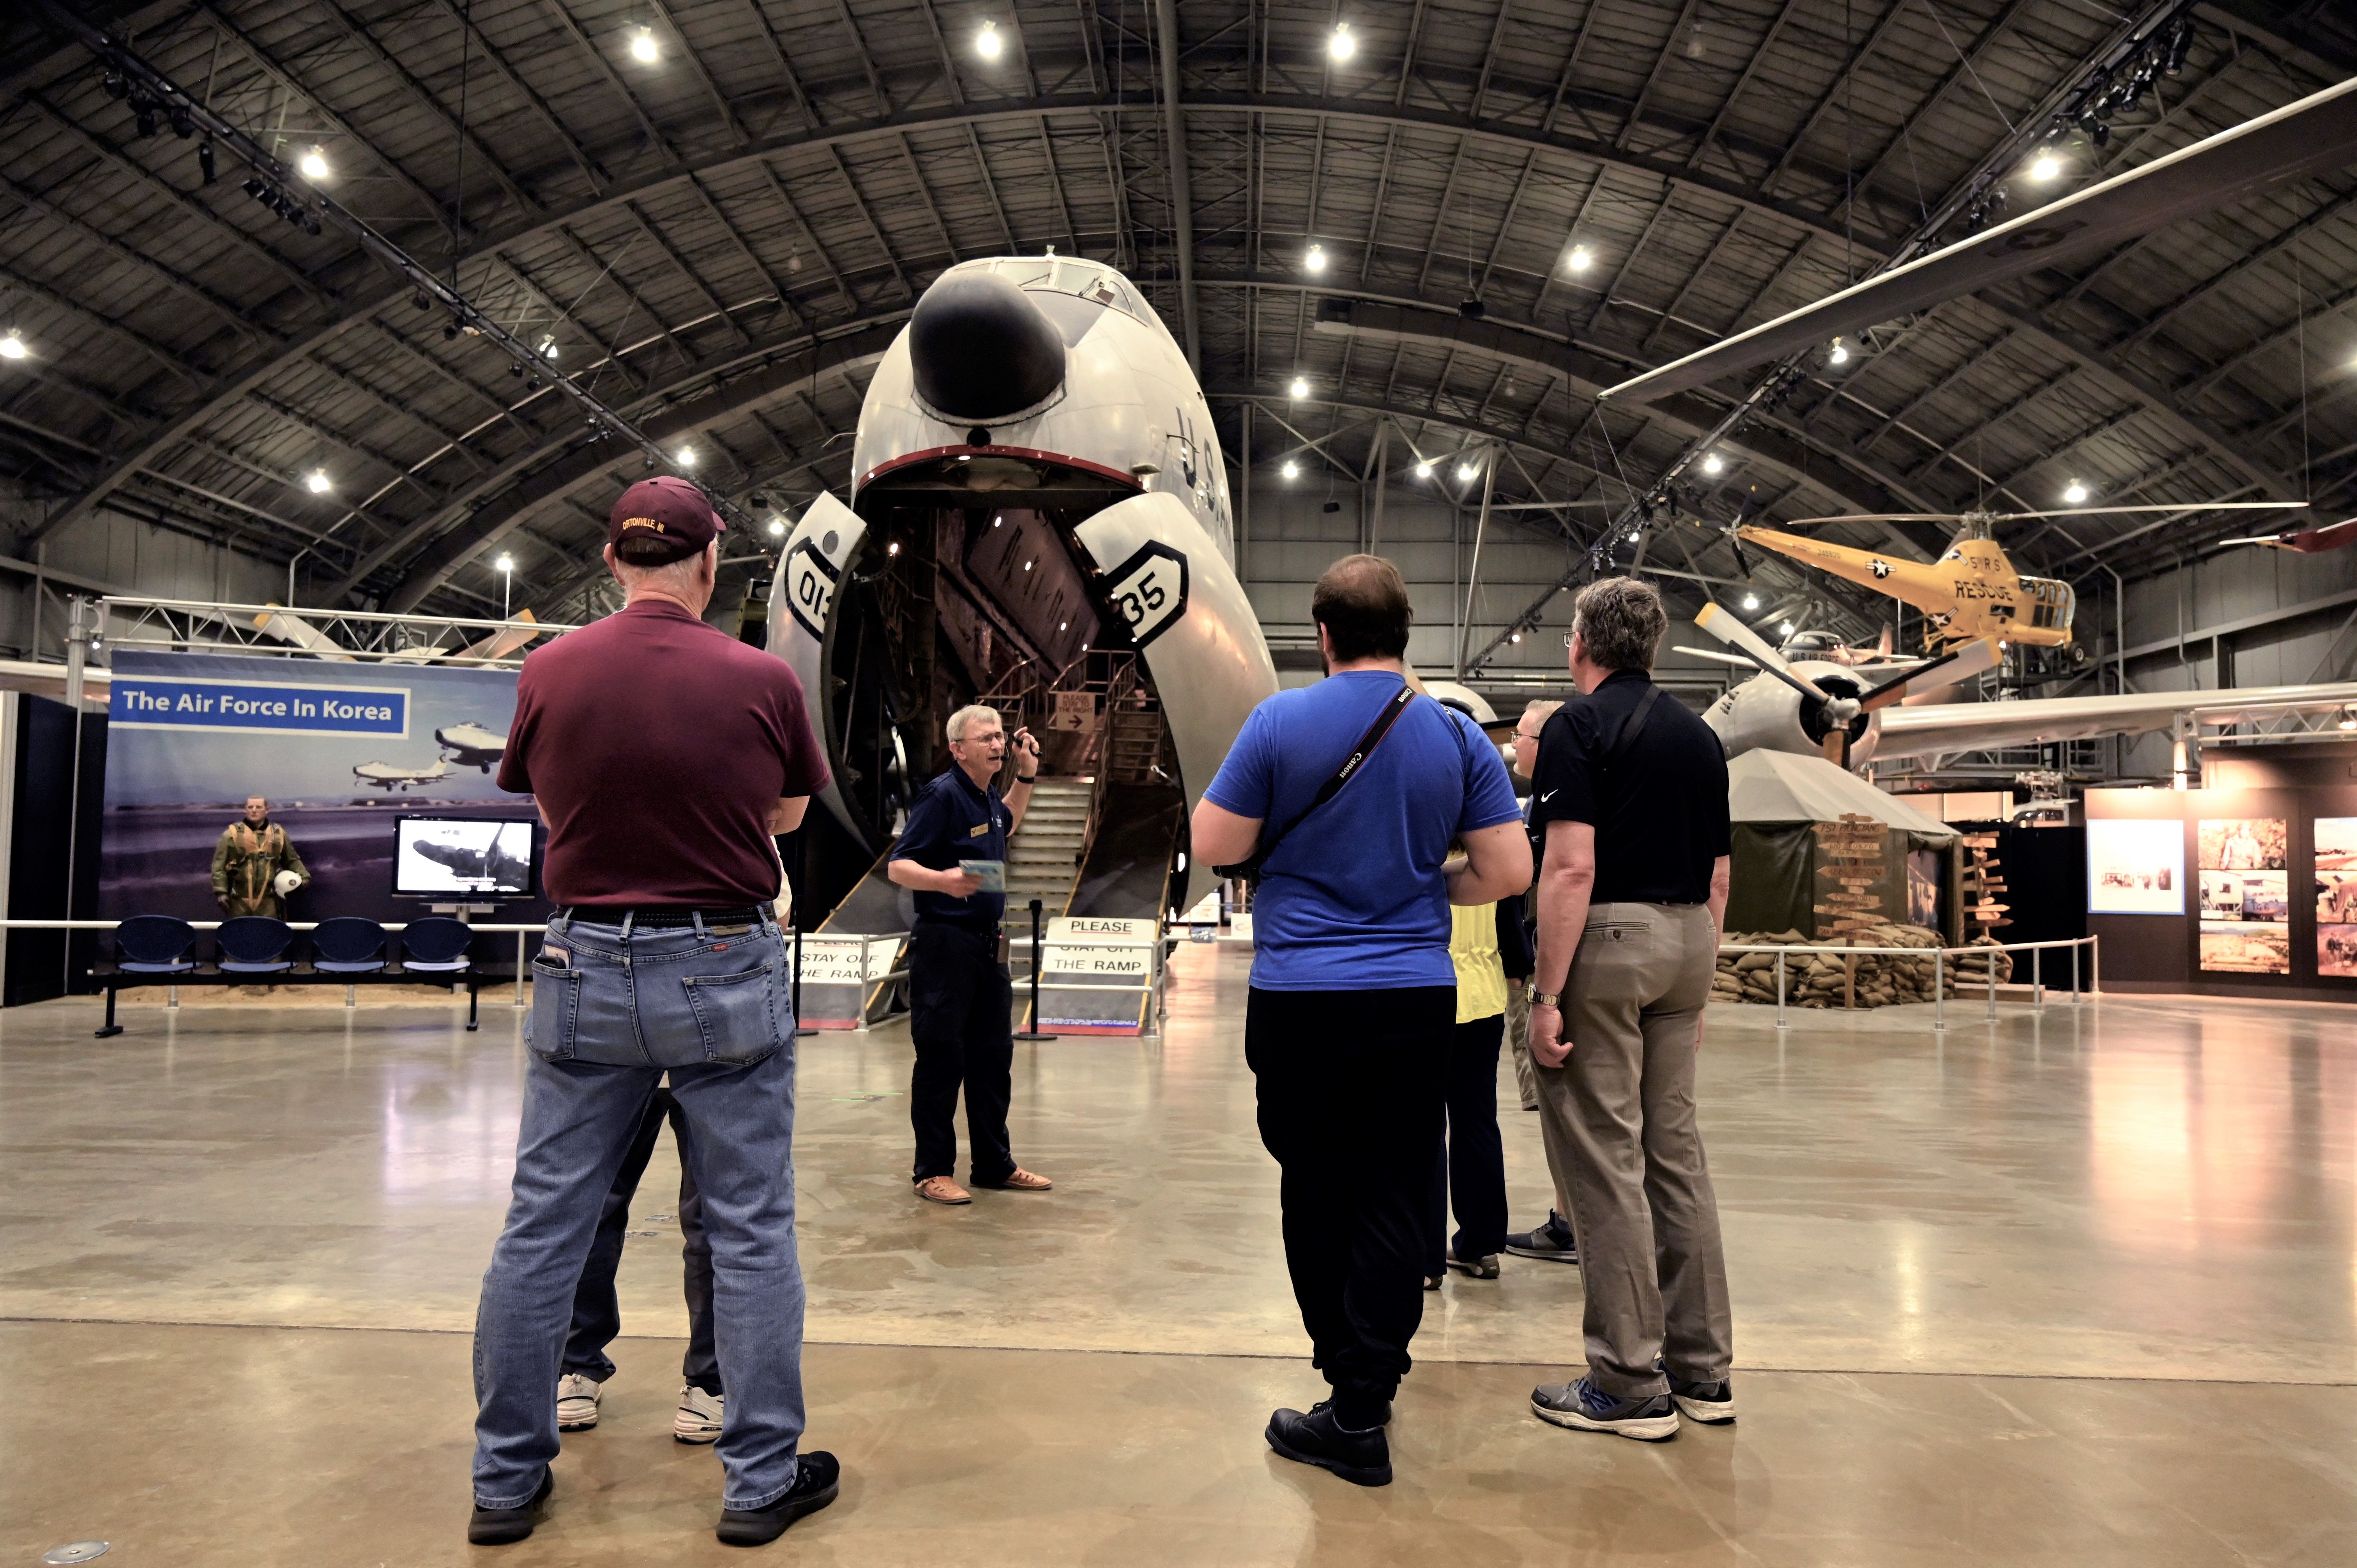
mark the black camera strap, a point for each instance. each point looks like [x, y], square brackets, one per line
[1331, 788]
[1633, 726]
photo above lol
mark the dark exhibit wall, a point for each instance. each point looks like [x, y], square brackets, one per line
[341, 750]
[2226, 892]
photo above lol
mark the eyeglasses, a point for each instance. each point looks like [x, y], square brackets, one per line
[1520, 735]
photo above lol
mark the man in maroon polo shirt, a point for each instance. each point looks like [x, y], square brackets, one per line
[664, 755]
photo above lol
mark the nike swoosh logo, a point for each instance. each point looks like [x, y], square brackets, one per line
[1548, 796]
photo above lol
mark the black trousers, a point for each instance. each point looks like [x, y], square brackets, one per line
[960, 1007]
[596, 1315]
[1471, 1171]
[1350, 1090]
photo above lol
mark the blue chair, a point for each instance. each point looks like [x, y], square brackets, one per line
[348, 945]
[436, 944]
[254, 944]
[154, 944]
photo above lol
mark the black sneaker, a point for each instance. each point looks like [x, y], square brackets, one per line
[502, 1527]
[1587, 1408]
[1362, 1459]
[817, 1480]
[1432, 1282]
[1711, 1403]
[1484, 1267]
[1553, 1241]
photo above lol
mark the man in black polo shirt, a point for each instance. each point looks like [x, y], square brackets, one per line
[960, 998]
[1631, 791]
[663, 755]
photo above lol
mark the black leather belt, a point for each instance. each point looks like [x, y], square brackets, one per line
[666, 919]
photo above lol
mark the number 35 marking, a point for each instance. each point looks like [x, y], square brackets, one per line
[1149, 591]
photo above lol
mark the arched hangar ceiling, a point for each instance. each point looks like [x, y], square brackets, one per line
[721, 240]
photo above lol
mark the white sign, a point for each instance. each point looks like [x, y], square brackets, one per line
[835, 961]
[1069, 953]
[2136, 867]
[1076, 712]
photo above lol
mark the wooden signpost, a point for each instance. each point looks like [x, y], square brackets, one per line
[1855, 846]
[1983, 886]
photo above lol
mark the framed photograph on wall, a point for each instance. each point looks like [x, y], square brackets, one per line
[2136, 867]
[2245, 897]
[2336, 897]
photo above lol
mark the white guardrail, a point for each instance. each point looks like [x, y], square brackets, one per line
[1939, 957]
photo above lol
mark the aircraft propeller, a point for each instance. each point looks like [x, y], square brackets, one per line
[1840, 713]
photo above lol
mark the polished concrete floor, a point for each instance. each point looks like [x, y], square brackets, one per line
[2077, 1285]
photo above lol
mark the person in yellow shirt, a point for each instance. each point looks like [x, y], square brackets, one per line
[1471, 1171]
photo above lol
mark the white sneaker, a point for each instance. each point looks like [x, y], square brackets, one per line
[697, 1419]
[576, 1402]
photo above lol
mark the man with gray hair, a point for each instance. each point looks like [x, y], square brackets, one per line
[1631, 793]
[960, 999]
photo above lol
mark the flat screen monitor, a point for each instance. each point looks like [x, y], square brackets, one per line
[453, 858]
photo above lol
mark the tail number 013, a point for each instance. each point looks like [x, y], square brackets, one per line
[1149, 591]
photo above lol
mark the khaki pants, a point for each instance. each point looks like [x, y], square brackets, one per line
[1618, 1117]
[1518, 1035]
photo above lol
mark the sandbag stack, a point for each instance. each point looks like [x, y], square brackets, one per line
[1872, 979]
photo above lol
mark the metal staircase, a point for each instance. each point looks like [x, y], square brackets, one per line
[1043, 857]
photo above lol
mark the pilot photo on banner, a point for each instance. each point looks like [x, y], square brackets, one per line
[289, 774]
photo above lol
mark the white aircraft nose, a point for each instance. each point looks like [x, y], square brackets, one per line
[980, 349]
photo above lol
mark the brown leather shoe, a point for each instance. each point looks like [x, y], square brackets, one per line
[1021, 1180]
[941, 1189]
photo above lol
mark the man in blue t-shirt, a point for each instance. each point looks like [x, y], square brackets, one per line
[1353, 996]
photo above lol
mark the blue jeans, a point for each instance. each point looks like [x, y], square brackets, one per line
[613, 1009]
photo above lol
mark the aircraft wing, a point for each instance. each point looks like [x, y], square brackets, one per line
[1946, 728]
[2317, 133]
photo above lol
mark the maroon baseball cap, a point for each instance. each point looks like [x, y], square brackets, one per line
[667, 508]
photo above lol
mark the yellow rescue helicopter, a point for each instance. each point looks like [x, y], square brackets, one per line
[1971, 591]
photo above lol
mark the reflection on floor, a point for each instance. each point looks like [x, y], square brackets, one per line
[2003, 1294]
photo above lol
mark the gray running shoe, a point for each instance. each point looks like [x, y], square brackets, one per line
[1552, 1241]
[1583, 1407]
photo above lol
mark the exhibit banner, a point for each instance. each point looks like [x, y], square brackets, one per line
[2336, 897]
[2136, 867]
[341, 751]
[2246, 903]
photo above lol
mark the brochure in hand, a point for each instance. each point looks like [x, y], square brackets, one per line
[991, 874]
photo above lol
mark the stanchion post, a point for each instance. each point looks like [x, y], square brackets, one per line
[2037, 978]
[1939, 989]
[1780, 988]
[795, 913]
[1990, 964]
[1033, 1032]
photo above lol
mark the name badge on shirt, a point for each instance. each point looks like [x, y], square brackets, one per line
[978, 829]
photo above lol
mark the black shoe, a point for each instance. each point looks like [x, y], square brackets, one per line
[1713, 1403]
[1484, 1267]
[501, 1527]
[817, 1480]
[1362, 1459]
[1552, 1241]
[1587, 1408]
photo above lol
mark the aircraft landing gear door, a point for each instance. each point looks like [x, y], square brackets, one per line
[801, 608]
[1168, 582]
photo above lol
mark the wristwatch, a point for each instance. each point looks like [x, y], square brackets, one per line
[1546, 998]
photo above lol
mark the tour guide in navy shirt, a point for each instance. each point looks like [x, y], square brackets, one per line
[1353, 995]
[958, 996]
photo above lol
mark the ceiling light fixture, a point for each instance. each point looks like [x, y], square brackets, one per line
[988, 43]
[1513, 637]
[643, 46]
[2075, 492]
[12, 347]
[1424, 471]
[504, 564]
[1466, 470]
[2349, 717]
[318, 482]
[1316, 260]
[2045, 166]
[1840, 354]
[1291, 471]
[685, 457]
[893, 548]
[1714, 464]
[1300, 388]
[548, 347]
[1342, 45]
[1751, 601]
[1785, 630]
[314, 164]
[776, 527]
[1581, 258]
